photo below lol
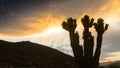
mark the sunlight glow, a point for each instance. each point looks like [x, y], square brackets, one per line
[115, 56]
[50, 31]
[113, 21]
[53, 30]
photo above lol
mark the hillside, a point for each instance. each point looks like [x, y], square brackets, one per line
[115, 64]
[28, 54]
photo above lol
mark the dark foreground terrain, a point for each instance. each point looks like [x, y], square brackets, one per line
[32, 55]
[115, 64]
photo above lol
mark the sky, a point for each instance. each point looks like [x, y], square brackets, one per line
[40, 21]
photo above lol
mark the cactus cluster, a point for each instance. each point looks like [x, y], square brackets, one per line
[84, 55]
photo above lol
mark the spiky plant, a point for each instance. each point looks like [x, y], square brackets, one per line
[84, 54]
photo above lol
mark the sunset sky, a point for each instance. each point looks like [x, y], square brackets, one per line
[40, 21]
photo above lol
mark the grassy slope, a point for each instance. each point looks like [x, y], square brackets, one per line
[32, 54]
[115, 64]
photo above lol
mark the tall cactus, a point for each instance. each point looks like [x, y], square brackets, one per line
[88, 41]
[84, 54]
[70, 26]
[100, 29]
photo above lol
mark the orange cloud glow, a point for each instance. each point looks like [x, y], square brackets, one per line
[42, 24]
[37, 25]
[115, 56]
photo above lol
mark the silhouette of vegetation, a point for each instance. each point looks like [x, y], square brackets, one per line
[31, 55]
[115, 64]
[84, 55]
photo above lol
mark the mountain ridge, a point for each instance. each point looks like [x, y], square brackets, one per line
[26, 53]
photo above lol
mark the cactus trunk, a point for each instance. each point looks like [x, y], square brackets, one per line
[98, 50]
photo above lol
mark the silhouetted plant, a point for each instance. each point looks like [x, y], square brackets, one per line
[100, 29]
[84, 56]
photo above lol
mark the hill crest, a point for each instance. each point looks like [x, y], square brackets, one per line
[26, 53]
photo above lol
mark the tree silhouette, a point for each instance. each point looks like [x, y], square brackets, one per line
[84, 55]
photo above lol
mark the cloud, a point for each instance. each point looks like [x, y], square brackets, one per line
[23, 17]
[30, 25]
[75, 8]
[111, 41]
[111, 57]
[19, 17]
